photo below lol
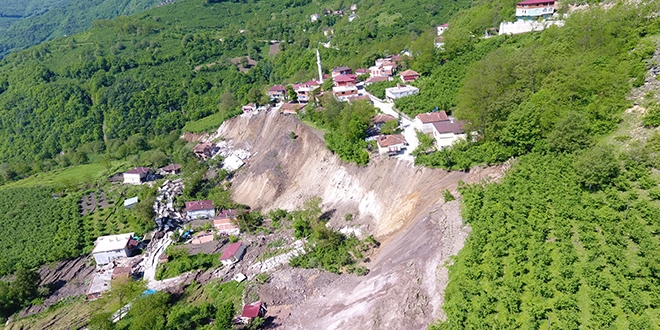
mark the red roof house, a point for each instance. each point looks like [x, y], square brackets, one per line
[252, 311]
[224, 223]
[424, 121]
[409, 75]
[171, 169]
[233, 254]
[291, 108]
[277, 92]
[391, 143]
[382, 119]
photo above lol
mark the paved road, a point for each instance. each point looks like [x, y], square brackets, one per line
[407, 125]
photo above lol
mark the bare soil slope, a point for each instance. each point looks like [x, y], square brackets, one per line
[283, 172]
[401, 205]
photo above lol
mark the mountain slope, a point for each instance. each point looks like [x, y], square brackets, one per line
[35, 23]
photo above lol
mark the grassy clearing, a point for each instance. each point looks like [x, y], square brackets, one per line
[71, 176]
[71, 313]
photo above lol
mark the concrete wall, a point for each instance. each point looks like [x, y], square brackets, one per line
[447, 139]
[518, 27]
[132, 178]
[103, 258]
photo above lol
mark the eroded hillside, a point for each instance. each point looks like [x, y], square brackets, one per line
[398, 203]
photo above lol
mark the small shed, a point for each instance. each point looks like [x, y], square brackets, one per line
[171, 169]
[233, 254]
[130, 202]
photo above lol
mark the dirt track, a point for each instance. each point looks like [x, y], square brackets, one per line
[398, 203]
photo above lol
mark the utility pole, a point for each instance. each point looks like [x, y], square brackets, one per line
[318, 63]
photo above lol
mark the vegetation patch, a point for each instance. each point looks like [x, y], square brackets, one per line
[180, 262]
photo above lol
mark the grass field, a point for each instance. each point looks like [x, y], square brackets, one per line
[70, 176]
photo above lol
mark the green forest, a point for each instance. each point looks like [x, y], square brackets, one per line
[29, 23]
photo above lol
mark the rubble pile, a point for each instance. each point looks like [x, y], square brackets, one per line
[234, 158]
[167, 218]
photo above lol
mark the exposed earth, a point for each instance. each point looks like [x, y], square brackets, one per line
[401, 205]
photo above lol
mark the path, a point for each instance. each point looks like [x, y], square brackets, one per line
[408, 127]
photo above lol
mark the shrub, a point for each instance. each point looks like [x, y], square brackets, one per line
[448, 196]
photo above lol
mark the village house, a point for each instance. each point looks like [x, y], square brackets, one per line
[200, 209]
[314, 17]
[304, 90]
[361, 71]
[376, 79]
[399, 91]
[341, 70]
[353, 7]
[130, 202]
[409, 76]
[252, 311]
[291, 108]
[250, 107]
[533, 9]
[108, 248]
[137, 175]
[381, 119]
[357, 98]
[224, 223]
[344, 87]
[424, 121]
[204, 150]
[352, 17]
[277, 92]
[384, 67]
[171, 169]
[391, 144]
[232, 254]
[448, 132]
[442, 28]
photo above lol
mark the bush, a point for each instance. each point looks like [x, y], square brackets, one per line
[448, 196]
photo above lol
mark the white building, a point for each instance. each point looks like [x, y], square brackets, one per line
[424, 121]
[447, 133]
[200, 209]
[137, 175]
[398, 92]
[314, 17]
[112, 247]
